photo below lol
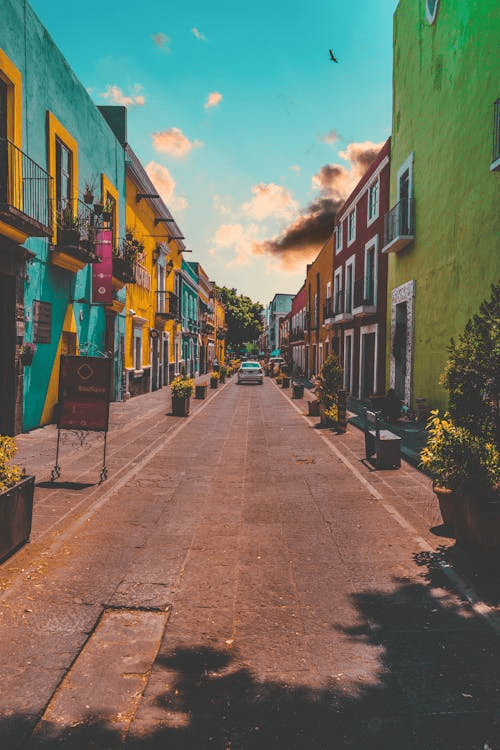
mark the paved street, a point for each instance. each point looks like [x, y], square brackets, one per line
[242, 580]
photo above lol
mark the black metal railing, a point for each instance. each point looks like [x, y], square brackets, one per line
[167, 303]
[399, 221]
[297, 334]
[496, 131]
[339, 302]
[362, 296]
[25, 189]
[328, 308]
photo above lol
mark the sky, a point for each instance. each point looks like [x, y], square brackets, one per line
[251, 134]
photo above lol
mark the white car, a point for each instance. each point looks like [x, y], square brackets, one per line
[250, 372]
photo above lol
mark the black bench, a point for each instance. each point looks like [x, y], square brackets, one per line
[381, 443]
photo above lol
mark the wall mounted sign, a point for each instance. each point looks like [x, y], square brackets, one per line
[42, 322]
[102, 272]
[84, 393]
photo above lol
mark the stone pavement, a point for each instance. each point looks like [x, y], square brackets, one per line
[243, 579]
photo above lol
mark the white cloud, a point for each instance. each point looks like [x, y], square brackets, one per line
[165, 184]
[198, 34]
[163, 42]
[270, 200]
[237, 238]
[174, 142]
[213, 100]
[295, 168]
[330, 138]
[115, 95]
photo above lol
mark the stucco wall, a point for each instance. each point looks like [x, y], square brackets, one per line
[445, 84]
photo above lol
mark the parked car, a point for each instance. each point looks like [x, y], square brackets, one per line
[275, 363]
[250, 372]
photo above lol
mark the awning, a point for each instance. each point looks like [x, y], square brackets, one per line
[275, 353]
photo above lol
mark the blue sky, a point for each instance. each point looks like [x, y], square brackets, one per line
[238, 115]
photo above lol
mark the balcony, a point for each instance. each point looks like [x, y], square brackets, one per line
[167, 307]
[77, 228]
[328, 310]
[495, 162]
[343, 311]
[364, 299]
[399, 230]
[25, 195]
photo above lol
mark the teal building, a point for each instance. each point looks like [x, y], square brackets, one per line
[189, 301]
[62, 181]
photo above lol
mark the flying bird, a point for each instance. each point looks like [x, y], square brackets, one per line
[332, 57]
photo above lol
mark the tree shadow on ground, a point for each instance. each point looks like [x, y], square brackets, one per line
[436, 687]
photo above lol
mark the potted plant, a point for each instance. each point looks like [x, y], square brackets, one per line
[16, 501]
[88, 191]
[182, 389]
[201, 390]
[70, 227]
[328, 384]
[214, 379]
[107, 211]
[26, 353]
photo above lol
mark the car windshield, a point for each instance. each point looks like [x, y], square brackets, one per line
[249, 365]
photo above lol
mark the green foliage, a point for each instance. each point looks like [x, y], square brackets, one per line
[243, 317]
[182, 387]
[9, 473]
[472, 373]
[329, 381]
[457, 459]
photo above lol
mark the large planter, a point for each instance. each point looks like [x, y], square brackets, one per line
[200, 391]
[16, 510]
[448, 501]
[70, 237]
[477, 523]
[297, 390]
[214, 382]
[27, 358]
[285, 382]
[180, 406]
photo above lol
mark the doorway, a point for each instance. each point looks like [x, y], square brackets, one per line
[367, 364]
[400, 344]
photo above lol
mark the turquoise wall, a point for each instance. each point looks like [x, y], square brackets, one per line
[445, 84]
[50, 85]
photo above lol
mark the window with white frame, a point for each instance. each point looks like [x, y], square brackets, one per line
[370, 286]
[351, 227]
[348, 354]
[337, 292]
[338, 238]
[373, 201]
[349, 284]
[138, 324]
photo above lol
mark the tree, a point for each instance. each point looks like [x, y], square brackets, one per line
[243, 317]
[472, 373]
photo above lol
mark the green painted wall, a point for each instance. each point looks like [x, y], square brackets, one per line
[445, 84]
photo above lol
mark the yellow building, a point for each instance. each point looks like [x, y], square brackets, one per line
[153, 246]
[220, 327]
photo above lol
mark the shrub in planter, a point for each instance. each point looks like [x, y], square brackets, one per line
[16, 501]
[329, 381]
[214, 379]
[201, 391]
[182, 389]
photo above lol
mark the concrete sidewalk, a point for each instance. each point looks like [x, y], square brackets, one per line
[243, 580]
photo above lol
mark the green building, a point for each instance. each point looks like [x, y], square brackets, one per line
[443, 230]
[54, 142]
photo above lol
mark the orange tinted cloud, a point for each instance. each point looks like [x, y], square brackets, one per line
[270, 200]
[115, 95]
[174, 142]
[213, 100]
[165, 184]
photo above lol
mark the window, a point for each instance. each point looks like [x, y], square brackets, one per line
[349, 284]
[64, 175]
[370, 287]
[373, 195]
[337, 292]
[351, 227]
[137, 348]
[338, 238]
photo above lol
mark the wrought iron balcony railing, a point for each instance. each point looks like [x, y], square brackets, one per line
[167, 305]
[328, 309]
[399, 230]
[25, 192]
[339, 302]
[363, 297]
